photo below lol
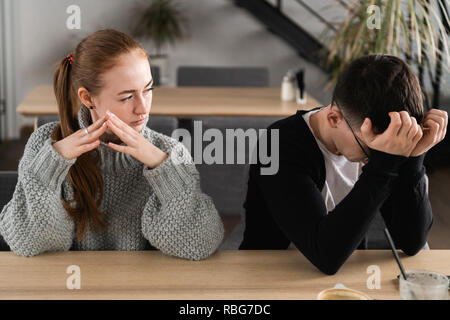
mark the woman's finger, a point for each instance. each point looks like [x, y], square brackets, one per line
[119, 148]
[91, 136]
[89, 146]
[119, 132]
[122, 125]
[93, 127]
[97, 124]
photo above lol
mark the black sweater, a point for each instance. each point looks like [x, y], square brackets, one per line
[288, 206]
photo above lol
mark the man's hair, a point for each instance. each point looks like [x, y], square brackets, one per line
[374, 85]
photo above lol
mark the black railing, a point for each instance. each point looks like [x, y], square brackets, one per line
[280, 24]
[315, 14]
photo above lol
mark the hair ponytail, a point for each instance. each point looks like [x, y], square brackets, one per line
[64, 93]
[84, 175]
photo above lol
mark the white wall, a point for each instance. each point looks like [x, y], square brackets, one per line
[9, 49]
[220, 34]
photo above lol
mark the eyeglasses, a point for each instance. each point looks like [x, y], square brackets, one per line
[356, 138]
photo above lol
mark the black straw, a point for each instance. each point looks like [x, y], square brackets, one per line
[394, 251]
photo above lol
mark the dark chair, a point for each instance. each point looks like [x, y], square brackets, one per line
[46, 119]
[155, 75]
[162, 124]
[375, 237]
[222, 76]
[8, 181]
[225, 183]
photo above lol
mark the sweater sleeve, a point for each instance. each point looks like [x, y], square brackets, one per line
[407, 212]
[179, 219]
[327, 239]
[35, 221]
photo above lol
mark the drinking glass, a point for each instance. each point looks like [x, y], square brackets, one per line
[424, 285]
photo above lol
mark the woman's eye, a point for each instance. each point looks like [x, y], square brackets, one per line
[127, 98]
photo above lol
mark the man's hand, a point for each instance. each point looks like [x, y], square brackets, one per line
[400, 138]
[434, 126]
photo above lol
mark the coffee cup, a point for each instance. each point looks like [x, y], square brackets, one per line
[341, 292]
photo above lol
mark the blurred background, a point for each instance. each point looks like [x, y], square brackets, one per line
[257, 41]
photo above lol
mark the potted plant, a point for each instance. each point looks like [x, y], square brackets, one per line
[415, 30]
[162, 23]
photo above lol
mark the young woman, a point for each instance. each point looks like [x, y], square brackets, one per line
[100, 179]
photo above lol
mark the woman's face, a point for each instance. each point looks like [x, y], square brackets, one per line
[126, 91]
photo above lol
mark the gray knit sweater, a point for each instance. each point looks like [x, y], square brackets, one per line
[162, 207]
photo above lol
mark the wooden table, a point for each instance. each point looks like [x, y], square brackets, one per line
[189, 101]
[225, 275]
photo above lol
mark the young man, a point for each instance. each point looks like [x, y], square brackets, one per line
[341, 164]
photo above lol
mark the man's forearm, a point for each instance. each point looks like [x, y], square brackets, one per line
[407, 212]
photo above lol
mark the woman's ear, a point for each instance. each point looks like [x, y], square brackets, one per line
[85, 97]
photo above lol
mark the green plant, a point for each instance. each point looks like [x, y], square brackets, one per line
[162, 22]
[415, 30]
